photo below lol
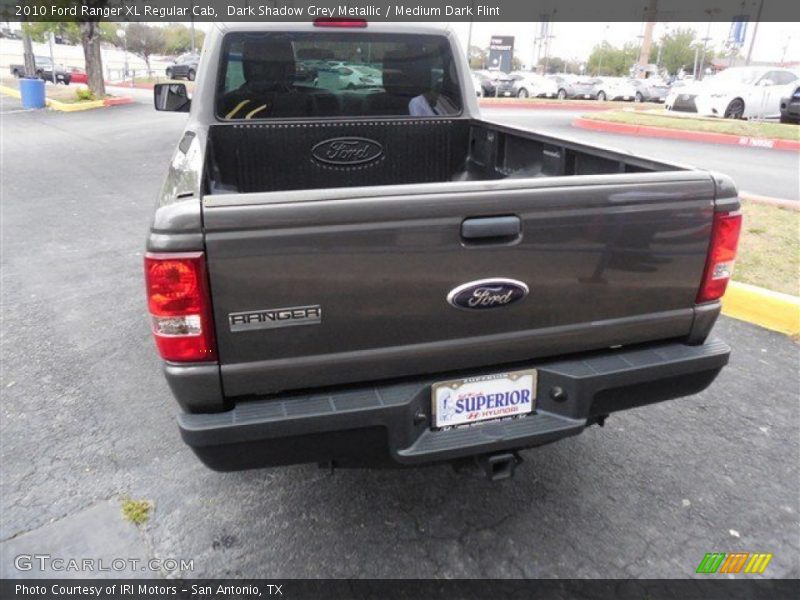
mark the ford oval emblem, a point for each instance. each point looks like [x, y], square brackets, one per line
[487, 293]
[347, 151]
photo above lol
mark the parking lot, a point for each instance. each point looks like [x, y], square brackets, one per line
[87, 420]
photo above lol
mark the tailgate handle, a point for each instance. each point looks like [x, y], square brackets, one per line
[491, 227]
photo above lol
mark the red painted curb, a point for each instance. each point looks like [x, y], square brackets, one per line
[117, 101]
[682, 134]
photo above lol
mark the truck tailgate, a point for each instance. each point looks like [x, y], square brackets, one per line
[608, 260]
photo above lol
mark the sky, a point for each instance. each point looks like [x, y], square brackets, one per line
[576, 40]
[774, 41]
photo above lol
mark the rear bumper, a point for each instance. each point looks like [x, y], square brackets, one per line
[390, 423]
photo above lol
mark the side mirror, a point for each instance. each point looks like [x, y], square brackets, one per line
[171, 97]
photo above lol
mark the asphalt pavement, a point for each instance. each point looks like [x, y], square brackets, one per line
[87, 420]
[755, 170]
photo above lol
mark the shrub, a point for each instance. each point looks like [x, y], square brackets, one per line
[84, 93]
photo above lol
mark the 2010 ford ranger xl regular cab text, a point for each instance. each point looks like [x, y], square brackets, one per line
[348, 265]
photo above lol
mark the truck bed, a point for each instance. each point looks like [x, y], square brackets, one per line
[279, 156]
[613, 249]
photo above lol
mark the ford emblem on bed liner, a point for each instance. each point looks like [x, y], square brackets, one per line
[347, 151]
[487, 293]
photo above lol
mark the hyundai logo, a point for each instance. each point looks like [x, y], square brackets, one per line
[484, 294]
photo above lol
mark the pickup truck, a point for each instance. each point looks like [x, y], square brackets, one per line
[382, 277]
[44, 70]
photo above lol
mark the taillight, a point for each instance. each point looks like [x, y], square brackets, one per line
[180, 306]
[721, 255]
[339, 22]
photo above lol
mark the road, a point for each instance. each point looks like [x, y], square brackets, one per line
[87, 420]
[756, 170]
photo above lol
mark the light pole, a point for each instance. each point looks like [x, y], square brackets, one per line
[122, 34]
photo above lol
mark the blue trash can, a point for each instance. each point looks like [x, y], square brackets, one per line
[32, 91]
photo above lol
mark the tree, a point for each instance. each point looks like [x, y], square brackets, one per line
[87, 32]
[606, 59]
[178, 39]
[677, 51]
[477, 57]
[40, 31]
[554, 64]
[145, 40]
[90, 40]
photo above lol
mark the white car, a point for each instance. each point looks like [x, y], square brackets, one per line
[476, 83]
[530, 84]
[736, 93]
[614, 88]
[352, 77]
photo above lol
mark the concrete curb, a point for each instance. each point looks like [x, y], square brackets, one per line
[770, 201]
[513, 103]
[684, 134]
[9, 92]
[73, 107]
[771, 310]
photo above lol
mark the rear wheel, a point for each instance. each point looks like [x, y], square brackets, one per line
[562, 94]
[601, 96]
[522, 93]
[190, 75]
[638, 97]
[735, 109]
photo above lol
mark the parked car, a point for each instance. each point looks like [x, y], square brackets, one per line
[613, 88]
[736, 93]
[530, 84]
[563, 85]
[78, 75]
[362, 283]
[353, 77]
[44, 70]
[496, 83]
[184, 67]
[790, 107]
[650, 90]
[476, 83]
[487, 82]
[570, 86]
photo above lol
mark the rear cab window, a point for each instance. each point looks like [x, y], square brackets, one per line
[275, 75]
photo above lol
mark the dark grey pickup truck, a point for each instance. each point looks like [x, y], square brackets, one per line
[379, 276]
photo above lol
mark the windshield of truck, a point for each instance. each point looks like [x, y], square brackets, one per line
[299, 75]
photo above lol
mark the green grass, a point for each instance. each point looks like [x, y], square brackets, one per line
[136, 511]
[769, 248]
[730, 126]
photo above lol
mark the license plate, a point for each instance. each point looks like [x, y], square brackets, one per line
[476, 399]
[587, 95]
[506, 93]
[627, 97]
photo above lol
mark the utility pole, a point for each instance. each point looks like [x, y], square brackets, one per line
[647, 41]
[755, 31]
[469, 43]
[705, 43]
[192, 25]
